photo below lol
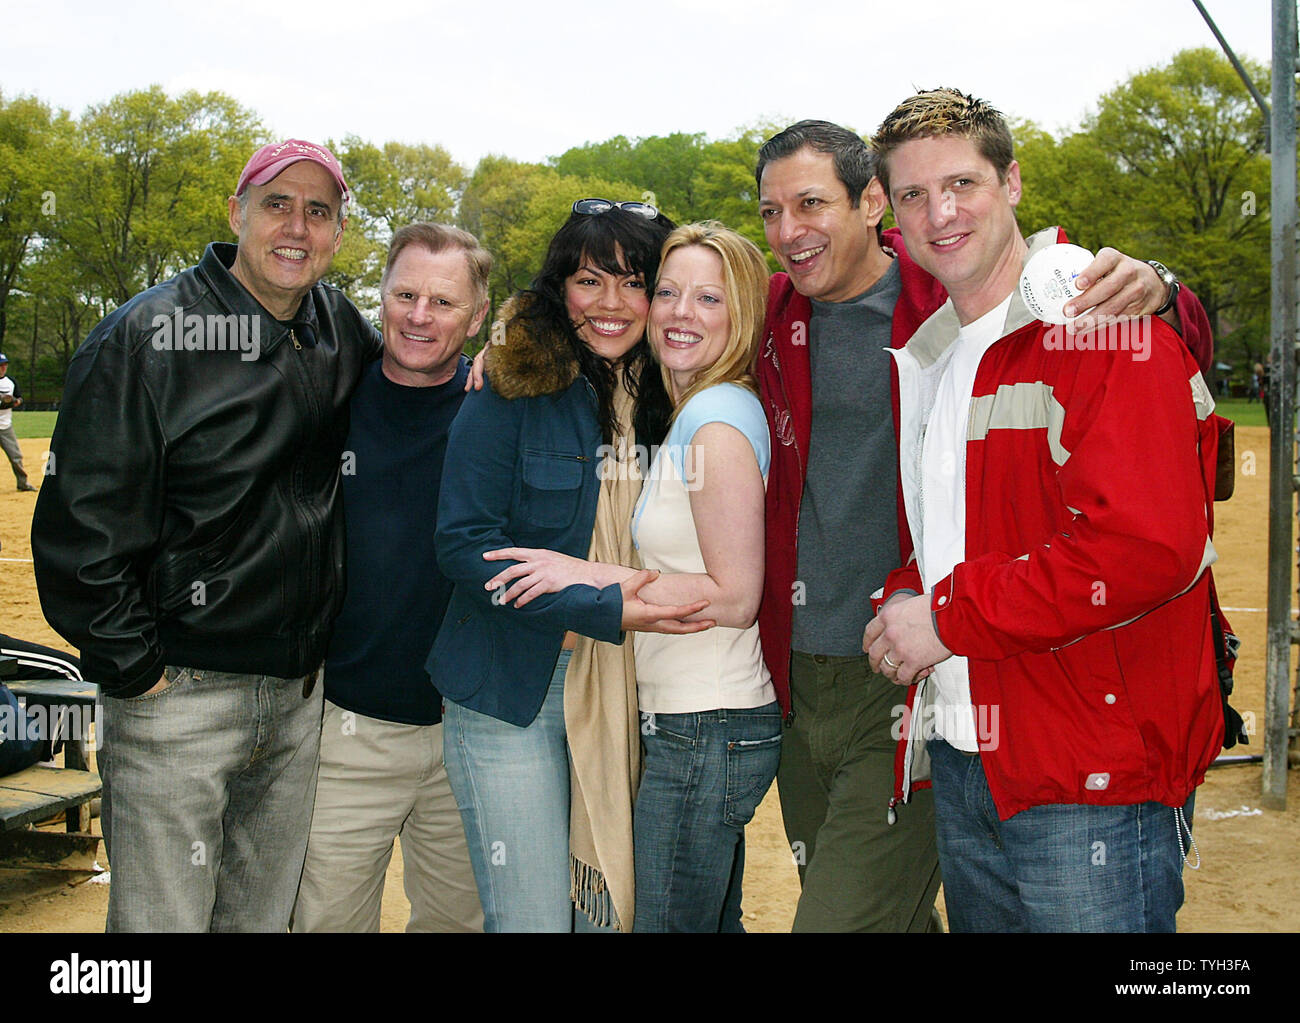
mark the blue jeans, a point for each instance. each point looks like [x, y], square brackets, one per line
[705, 774]
[1060, 867]
[512, 788]
[208, 789]
[18, 748]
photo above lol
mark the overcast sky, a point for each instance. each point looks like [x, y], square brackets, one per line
[531, 80]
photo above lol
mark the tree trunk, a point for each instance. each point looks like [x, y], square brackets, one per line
[31, 366]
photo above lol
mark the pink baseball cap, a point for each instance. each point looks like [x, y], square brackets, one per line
[273, 158]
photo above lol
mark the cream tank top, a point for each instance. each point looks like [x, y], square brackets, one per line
[722, 667]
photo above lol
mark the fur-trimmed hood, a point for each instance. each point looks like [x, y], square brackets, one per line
[523, 362]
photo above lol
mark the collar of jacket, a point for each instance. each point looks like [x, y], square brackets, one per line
[215, 266]
[935, 336]
[525, 360]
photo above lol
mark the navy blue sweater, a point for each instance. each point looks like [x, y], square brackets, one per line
[396, 593]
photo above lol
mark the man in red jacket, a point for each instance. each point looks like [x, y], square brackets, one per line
[834, 522]
[1057, 608]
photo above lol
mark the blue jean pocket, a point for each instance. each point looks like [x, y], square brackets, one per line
[176, 676]
[751, 768]
[671, 728]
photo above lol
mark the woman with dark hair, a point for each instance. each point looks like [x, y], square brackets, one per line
[540, 720]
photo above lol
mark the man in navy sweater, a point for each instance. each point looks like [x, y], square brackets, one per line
[381, 770]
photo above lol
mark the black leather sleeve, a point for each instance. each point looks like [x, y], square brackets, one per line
[98, 518]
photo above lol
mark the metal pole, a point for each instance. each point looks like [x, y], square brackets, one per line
[1241, 71]
[1282, 407]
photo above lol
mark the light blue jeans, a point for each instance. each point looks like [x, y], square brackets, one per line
[1059, 867]
[512, 788]
[208, 790]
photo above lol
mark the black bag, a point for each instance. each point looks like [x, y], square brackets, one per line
[1234, 729]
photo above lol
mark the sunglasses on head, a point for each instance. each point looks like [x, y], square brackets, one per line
[594, 206]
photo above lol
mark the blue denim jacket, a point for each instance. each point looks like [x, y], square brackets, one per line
[519, 473]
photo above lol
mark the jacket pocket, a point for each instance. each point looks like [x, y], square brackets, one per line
[173, 584]
[1103, 734]
[552, 487]
[463, 655]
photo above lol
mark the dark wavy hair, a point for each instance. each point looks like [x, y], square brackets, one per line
[597, 240]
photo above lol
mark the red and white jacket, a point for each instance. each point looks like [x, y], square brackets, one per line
[1083, 604]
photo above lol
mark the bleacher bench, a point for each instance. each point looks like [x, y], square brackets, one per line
[41, 792]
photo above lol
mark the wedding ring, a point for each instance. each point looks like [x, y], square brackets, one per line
[889, 662]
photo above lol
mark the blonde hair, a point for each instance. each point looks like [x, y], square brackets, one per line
[744, 285]
[938, 112]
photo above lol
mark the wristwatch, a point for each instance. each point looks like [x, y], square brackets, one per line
[1171, 282]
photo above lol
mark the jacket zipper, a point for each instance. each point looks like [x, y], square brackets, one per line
[918, 540]
[803, 475]
[313, 572]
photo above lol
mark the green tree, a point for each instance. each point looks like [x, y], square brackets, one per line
[1065, 184]
[57, 308]
[1193, 183]
[31, 140]
[726, 188]
[150, 191]
[401, 184]
[686, 176]
[659, 169]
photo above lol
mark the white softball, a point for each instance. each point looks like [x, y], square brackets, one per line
[1048, 281]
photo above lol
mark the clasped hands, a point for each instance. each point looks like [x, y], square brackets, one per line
[901, 640]
[537, 572]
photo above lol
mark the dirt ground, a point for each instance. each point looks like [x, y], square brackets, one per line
[1245, 881]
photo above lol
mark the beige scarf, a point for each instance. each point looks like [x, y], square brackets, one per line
[600, 714]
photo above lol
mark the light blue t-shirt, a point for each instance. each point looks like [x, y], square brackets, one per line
[732, 404]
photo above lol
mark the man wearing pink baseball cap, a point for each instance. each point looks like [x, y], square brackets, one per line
[188, 540]
[283, 253]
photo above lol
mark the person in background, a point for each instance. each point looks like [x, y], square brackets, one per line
[11, 398]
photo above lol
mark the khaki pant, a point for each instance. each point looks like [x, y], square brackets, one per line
[858, 871]
[380, 780]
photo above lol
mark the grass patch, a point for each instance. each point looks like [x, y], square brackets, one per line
[1240, 411]
[34, 424]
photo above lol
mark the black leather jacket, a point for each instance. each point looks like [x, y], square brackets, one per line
[189, 514]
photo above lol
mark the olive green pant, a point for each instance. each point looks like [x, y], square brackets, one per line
[858, 871]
